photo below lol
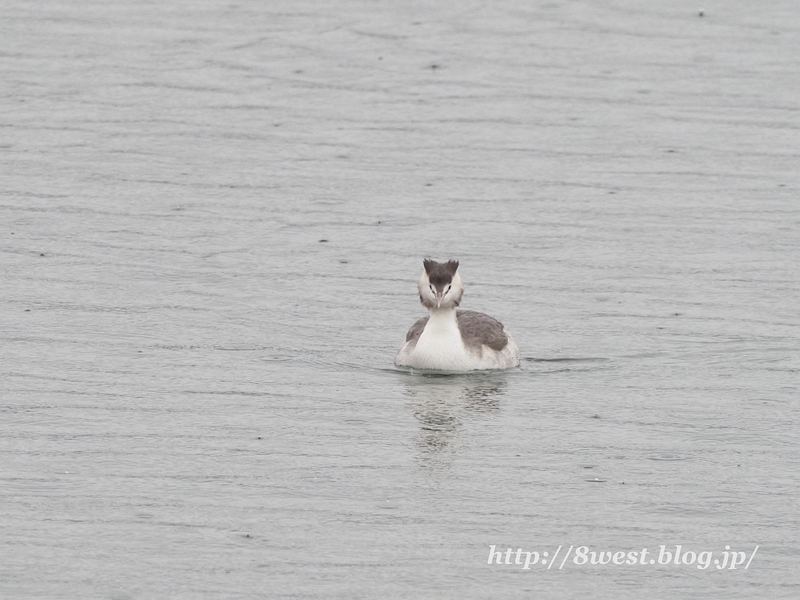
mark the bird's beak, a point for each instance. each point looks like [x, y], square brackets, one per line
[439, 298]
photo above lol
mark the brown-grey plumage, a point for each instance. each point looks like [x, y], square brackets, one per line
[416, 329]
[477, 329]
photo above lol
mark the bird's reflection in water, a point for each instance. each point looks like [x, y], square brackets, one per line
[442, 403]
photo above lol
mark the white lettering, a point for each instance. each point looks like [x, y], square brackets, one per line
[493, 554]
[580, 555]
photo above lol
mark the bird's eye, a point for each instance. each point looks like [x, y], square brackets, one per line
[447, 290]
[431, 286]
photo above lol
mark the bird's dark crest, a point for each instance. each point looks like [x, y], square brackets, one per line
[440, 274]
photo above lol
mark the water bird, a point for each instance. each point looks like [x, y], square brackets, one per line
[449, 339]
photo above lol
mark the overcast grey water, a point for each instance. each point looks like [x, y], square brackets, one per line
[212, 221]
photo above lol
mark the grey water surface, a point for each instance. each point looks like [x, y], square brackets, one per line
[212, 221]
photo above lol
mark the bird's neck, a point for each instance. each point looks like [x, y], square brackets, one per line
[443, 318]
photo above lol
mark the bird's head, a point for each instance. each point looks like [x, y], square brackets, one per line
[440, 285]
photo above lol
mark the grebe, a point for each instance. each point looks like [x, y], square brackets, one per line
[449, 339]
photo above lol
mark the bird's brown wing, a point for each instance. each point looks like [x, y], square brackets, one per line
[416, 330]
[478, 329]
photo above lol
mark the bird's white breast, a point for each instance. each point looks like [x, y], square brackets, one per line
[441, 348]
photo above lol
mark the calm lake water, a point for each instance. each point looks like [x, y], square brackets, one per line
[212, 221]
